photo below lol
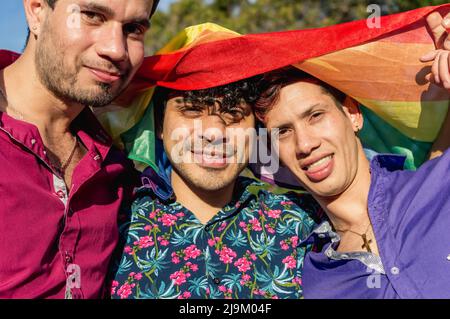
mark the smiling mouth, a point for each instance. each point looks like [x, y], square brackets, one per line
[105, 76]
[320, 169]
[212, 159]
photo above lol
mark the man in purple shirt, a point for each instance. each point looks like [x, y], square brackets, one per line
[61, 181]
[387, 233]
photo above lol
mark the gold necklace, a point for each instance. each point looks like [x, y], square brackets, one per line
[366, 243]
[66, 163]
[61, 168]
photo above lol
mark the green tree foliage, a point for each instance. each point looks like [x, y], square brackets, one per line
[254, 16]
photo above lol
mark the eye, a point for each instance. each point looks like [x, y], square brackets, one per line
[191, 111]
[283, 132]
[134, 29]
[234, 115]
[316, 116]
[93, 17]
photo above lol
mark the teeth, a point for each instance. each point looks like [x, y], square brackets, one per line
[320, 162]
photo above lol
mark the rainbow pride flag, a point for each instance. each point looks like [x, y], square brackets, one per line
[378, 67]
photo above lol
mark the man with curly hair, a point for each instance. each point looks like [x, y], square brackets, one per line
[198, 229]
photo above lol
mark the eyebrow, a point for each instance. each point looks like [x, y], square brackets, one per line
[107, 11]
[99, 8]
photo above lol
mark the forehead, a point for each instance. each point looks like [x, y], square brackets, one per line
[295, 100]
[119, 9]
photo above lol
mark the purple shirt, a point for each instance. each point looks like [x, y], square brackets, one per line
[55, 244]
[410, 214]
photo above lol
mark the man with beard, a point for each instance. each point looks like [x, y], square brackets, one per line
[198, 229]
[62, 182]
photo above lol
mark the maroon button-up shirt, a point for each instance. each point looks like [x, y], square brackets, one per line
[55, 244]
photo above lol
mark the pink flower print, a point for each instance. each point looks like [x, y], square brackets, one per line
[179, 277]
[175, 258]
[274, 213]
[284, 245]
[192, 252]
[185, 295]
[114, 285]
[138, 276]
[256, 225]
[145, 242]
[211, 242]
[294, 241]
[148, 228]
[270, 230]
[222, 289]
[290, 262]
[163, 241]
[226, 255]
[297, 281]
[180, 215]
[152, 215]
[284, 203]
[168, 220]
[245, 279]
[193, 267]
[222, 226]
[128, 250]
[243, 264]
[275, 297]
[124, 291]
[243, 225]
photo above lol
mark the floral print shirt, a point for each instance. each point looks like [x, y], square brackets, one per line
[248, 250]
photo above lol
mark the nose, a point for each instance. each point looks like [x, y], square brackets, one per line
[306, 142]
[113, 45]
[214, 130]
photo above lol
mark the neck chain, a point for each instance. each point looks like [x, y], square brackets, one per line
[366, 243]
[61, 168]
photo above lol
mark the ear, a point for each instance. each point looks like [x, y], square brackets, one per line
[353, 112]
[35, 13]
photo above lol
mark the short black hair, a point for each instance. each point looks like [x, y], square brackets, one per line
[231, 95]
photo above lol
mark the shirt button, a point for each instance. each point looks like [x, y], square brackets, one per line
[68, 258]
[97, 158]
[322, 236]
[217, 281]
[61, 194]
[395, 270]
[448, 257]
[33, 141]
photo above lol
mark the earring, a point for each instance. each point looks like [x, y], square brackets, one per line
[34, 28]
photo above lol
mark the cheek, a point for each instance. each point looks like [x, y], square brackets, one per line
[136, 53]
[287, 154]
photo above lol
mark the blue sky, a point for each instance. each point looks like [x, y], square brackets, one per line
[13, 28]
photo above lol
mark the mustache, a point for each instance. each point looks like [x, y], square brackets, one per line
[204, 147]
[110, 67]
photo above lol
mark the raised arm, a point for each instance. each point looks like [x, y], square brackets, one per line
[440, 74]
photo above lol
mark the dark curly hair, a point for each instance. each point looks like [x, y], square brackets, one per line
[230, 95]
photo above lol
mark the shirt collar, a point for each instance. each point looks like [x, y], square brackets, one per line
[390, 162]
